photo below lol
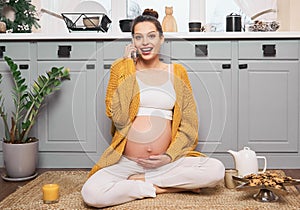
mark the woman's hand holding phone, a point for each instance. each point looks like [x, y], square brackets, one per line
[130, 52]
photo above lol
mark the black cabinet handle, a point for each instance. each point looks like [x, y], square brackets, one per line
[201, 50]
[23, 66]
[64, 51]
[269, 50]
[243, 66]
[106, 66]
[90, 66]
[2, 50]
[226, 66]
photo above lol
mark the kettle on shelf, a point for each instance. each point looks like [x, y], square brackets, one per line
[246, 161]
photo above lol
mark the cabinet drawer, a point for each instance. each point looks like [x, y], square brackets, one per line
[115, 49]
[200, 50]
[66, 50]
[15, 50]
[268, 49]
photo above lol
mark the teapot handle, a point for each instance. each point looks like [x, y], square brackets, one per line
[265, 163]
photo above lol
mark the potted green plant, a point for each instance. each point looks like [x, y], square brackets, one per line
[19, 15]
[19, 149]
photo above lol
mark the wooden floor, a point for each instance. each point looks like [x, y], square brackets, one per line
[7, 188]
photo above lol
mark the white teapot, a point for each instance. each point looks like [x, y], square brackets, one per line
[246, 161]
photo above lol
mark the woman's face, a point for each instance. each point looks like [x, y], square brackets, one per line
[147, 40]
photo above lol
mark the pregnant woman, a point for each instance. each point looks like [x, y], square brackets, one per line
[155, 128]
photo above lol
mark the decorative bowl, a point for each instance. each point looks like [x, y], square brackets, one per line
[91, 22]
[261, 26]
[269, 184]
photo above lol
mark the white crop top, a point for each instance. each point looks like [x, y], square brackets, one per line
[157, 100]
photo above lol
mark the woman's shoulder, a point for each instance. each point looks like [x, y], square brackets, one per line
[122, 63]
[179, 69]
[181, 74]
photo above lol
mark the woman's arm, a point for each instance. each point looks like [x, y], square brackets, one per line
[119, 92]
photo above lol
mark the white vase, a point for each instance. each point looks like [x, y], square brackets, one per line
[20, 160]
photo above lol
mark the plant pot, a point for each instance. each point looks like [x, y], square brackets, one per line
[20, 160]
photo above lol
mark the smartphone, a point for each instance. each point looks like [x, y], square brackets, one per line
[133, 55]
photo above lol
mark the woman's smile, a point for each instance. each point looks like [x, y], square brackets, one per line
[146, 50]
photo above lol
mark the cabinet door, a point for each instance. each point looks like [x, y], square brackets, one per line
[268, 106]
[211, 83]
[104, 123]
[69, 121]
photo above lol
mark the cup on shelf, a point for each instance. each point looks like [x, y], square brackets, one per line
[194, 26]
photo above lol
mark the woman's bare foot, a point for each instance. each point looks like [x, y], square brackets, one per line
[160, 190]
[197, 190]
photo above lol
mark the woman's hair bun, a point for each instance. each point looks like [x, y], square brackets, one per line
[150, 12]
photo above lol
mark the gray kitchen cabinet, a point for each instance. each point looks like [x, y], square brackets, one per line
[69, 121]
[247, 94]
[268, 96]
[20, 53]
[209, 69]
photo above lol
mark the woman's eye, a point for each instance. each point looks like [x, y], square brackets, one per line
[138, 37]
[152, 36]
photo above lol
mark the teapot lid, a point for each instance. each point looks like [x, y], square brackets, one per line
[247, 150]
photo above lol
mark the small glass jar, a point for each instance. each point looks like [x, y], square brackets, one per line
[229, 182]
[50, 193]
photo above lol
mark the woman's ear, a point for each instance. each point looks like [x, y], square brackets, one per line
[162, 39]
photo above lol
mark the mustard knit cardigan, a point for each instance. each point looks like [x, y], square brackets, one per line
[122, 103]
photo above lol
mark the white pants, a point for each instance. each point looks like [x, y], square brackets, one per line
[109, 186]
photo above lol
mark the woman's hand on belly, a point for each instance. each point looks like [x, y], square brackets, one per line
[154, 161]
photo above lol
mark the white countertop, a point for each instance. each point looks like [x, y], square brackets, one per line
[168, 35]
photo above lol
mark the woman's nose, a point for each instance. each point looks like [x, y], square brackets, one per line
[145, 40]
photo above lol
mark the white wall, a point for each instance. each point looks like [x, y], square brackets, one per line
[288, 14]
[50, 24]
[181, 10]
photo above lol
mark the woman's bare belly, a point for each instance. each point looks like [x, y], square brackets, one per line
[148, 135]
